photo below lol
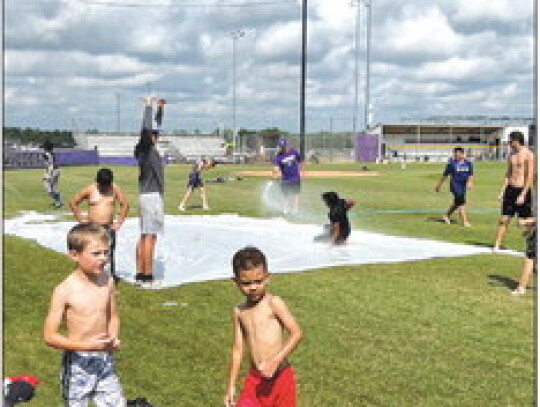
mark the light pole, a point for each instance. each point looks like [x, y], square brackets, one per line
[356, 32]
[368, 52]
[303, 83]
[117, 112]
[235, 36]
[367, 4]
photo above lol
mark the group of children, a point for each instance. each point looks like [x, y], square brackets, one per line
[86, 301]
[262, 323]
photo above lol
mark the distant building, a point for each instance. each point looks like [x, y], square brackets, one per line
[432, 138]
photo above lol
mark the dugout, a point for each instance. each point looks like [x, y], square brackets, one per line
[433, 139]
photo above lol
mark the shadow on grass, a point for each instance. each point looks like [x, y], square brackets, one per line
[502, 281]
[438, 219]
[481, 244]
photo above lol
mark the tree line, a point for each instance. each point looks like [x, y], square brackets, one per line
[59, 138]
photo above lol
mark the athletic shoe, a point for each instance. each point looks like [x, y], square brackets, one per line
[518, 291]
[206, 208]
[467, 225]
[181, 208]
[446, 220]
[495, 250]
[139, 402]
[151, 285]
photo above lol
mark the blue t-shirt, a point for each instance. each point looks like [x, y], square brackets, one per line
[459, 172]
[289, 165]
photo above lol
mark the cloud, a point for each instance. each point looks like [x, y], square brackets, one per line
[428, 57]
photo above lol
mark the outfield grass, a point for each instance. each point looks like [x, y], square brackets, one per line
[441, 332]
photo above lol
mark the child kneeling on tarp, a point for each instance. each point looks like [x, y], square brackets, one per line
[339, 228]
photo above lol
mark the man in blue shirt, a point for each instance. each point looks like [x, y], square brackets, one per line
[461, 178]
[288, 163]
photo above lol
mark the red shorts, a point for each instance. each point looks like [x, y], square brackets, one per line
[258, 391]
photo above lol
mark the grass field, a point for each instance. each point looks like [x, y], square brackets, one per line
[441, 332]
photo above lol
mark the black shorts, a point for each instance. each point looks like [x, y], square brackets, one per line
[195, 181]
[112, 247]
[290, 189]
[459, 199]
[530, 248]
[509, 206]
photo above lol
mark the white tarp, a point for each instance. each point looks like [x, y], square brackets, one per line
[200, 248]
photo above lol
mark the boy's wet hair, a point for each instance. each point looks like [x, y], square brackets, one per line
[104, 177]
[248, 258]
[82, 234]
[330, 198]
[459, 149]
[517, 136]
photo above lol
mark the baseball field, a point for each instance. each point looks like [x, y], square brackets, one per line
[437, 332]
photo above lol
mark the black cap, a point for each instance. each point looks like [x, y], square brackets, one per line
[18, 391]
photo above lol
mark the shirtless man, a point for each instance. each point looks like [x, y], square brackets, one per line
[85, 300]
[516, 190]
[260, 323]
[102, 197]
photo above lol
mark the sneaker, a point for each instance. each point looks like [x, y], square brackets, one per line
[206, 208]
[446, 220]
[151, 285]
[138, 280]
[518, 291]
[467, 225]
[181, 208]
[495, 250]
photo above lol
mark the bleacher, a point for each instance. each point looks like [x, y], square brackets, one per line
[194, 147]
[113, 146]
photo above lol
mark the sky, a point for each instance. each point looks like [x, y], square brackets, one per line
[82, 64]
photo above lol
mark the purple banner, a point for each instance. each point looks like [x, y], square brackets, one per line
[367, 148]
[76, 157]
[117, 160]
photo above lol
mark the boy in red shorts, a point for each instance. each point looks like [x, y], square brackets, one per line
[260, 323]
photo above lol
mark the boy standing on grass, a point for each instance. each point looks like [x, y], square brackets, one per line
[86, 301]
[259, 323]
[195, 181]
[102, 197]
[460, 171]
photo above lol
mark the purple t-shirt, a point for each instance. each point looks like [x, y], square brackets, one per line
[289, 165]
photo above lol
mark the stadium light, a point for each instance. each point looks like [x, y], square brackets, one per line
[235, 35]
[356, 3]
[367, 104]
[117, 111]
[303, 83]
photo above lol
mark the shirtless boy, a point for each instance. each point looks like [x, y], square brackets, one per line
[85, 301]
[260, 323]
[516, 190]
[102, 197]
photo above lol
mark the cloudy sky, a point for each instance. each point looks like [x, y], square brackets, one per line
[73, 62]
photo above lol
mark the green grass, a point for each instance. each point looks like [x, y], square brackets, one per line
[441, 332]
